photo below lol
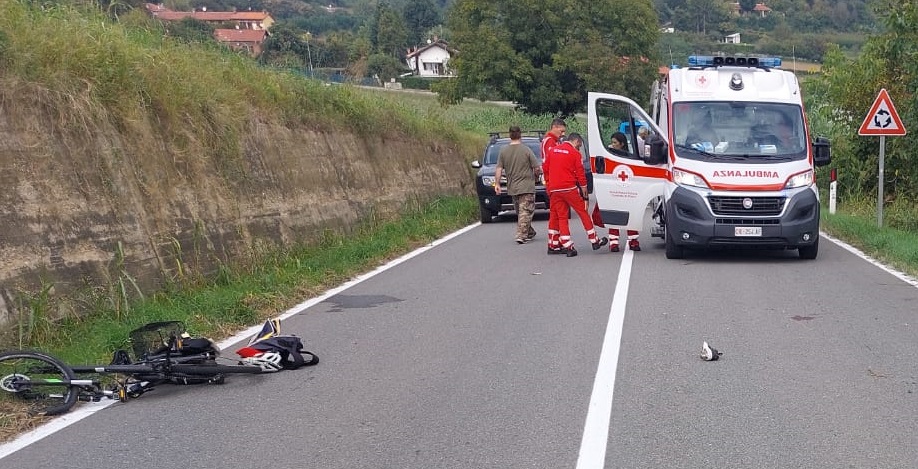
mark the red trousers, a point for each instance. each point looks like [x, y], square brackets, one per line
[561, 203]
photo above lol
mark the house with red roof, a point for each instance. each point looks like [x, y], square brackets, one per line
[242, 19]
[251, 27]
[248, 40]
[761, 9]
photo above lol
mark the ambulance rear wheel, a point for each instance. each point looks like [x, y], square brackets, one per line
[672, 250]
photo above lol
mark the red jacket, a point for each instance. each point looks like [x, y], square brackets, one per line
[565, 168]
[549, 141]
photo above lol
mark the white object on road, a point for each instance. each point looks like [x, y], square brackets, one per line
[709, 353]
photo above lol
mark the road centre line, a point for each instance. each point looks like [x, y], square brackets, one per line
[63, 421]
[599, 413]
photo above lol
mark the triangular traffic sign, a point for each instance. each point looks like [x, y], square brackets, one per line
[882, 118]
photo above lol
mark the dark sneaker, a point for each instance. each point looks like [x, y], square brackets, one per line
[531, 234]
[613, 247]
[600, 243]
[556, 251]
[520, 241]
[634, 245]
[570, 252]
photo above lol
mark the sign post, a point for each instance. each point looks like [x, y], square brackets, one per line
[833, 186]
[882, 120]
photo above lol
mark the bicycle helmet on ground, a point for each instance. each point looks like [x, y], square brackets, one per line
[267, 361]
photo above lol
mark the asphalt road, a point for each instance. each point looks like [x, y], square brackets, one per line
[481, 353]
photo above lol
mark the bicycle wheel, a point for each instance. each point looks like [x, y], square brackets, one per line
[35, 383]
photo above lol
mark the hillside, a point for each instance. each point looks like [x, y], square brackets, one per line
[128, 157]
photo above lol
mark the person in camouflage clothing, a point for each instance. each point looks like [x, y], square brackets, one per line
[522, 168]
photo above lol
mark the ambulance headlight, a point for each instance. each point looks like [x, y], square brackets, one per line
[685, 178]
[487, 180]
[804, 179]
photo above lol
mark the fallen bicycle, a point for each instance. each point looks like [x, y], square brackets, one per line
[41, 384]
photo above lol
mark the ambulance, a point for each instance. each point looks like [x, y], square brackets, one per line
[729, 161]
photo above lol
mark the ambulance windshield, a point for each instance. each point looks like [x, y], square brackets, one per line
[744, 132]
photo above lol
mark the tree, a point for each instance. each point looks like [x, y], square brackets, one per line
[385, 67]
[701, 15]
[848, 87]
[545, 55]
[747, 5]
[284, 47]
[391, 33]
[420, 16]
[190, 30]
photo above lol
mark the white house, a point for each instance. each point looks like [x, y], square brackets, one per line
[430, 60]
[732, 38]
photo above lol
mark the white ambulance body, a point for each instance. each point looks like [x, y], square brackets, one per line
[729, 157]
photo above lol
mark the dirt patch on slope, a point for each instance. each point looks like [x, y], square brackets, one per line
[88, 198]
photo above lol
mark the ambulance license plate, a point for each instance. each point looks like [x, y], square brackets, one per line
[748, 231]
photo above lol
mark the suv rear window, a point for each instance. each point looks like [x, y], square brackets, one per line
[494, 150]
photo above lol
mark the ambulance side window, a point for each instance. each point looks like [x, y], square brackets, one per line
[615, 116]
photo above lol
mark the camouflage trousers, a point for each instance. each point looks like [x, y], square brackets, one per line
[524, 204]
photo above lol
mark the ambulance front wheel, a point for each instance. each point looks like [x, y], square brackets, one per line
[809, 252]
[673, 251]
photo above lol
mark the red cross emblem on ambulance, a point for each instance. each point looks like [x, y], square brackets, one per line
[623, 175]
[702, 80]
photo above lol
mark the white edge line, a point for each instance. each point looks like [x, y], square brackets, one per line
[857, 252]
[596, 428]
[64, 421]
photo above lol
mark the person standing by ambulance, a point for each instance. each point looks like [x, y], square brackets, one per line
[522, 168]
[567, 191]
[551, 139]
[618, 145]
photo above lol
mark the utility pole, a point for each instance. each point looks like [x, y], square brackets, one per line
[307, 36]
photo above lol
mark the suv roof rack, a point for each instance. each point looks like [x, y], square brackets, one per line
[525, 133]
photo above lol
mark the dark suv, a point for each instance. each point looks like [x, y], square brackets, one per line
[490, 204]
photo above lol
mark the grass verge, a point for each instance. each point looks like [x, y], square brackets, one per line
[893, 244]
[243, 295]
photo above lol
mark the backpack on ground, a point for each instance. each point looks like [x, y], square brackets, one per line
[274, 352]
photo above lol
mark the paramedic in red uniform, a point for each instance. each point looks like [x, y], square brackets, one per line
[550, 140]
[567, 190]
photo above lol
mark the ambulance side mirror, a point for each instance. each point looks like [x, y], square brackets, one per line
[822, 153]
[658, 150]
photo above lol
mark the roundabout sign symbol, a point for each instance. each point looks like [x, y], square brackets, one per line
[882, 119]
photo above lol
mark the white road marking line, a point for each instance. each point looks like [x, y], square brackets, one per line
[596, 429]
[857, 252]
[64, 421]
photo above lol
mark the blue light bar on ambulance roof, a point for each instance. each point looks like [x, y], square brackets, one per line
[711, 61]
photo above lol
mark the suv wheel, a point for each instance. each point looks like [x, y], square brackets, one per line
[486, 215]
